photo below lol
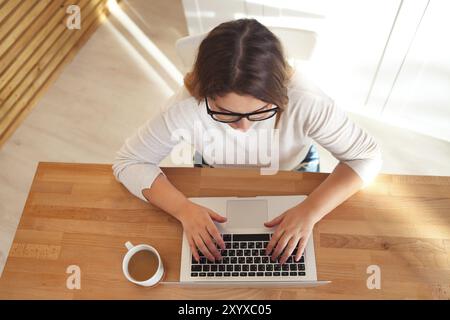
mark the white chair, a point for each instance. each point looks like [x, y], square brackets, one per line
[298, 45]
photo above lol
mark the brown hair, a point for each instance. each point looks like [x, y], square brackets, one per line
[244, 57]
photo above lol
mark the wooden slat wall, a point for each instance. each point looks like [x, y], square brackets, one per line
[35, 44]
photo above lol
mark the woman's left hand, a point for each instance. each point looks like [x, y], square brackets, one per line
[293, 230]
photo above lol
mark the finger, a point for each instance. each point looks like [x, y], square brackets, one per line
[280, 246]
[203, 248]
[216, 235]
[273, 241]
[289, 248]
[217, 217]
[300, 248]
[193, 249]
[273, 222]
[210, 244]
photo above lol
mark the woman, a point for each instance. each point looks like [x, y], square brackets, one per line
[241, 83]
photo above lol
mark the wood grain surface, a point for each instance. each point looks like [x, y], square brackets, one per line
[35, 45]
[78, 214]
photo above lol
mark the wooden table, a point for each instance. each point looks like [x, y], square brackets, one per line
[78, 214]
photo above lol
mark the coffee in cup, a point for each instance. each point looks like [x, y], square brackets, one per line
[142, 265]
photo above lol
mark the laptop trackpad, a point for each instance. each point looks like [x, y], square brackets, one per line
[246, 213]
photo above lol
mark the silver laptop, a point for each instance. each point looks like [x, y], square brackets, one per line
[245, 236]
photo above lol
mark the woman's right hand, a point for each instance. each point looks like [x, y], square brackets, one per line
[201, 231]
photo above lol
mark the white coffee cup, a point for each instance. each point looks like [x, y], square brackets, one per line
[132, 250]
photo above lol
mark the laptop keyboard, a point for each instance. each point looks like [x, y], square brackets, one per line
[245, 256]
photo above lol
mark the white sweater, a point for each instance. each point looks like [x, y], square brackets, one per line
[310, 115]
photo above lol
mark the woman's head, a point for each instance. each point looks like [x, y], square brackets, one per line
[240, 67]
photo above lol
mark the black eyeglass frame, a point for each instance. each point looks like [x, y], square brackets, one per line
[240, 115]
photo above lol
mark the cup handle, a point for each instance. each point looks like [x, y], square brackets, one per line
[129, 245]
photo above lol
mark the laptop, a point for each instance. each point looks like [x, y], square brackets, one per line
[244, 261]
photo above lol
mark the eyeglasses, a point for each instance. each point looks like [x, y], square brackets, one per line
[229, 117]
